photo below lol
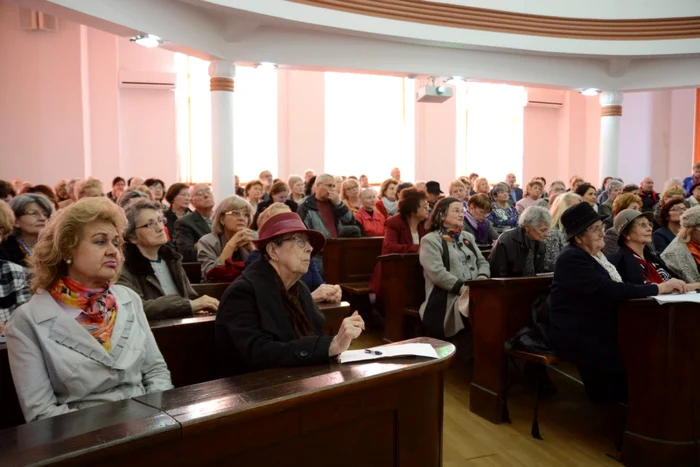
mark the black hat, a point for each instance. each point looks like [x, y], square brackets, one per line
[578, 218]
[433, 188]
[694, 186]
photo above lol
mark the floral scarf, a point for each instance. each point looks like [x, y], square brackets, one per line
[450, 235]
[99, 308]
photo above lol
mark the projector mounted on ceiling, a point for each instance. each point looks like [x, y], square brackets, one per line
[434, 94]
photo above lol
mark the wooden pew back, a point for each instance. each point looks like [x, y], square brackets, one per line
[214, 290]
[350, 260]
[193, 271]
[403, 289]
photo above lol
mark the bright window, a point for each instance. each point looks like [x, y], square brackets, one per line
[370, 125]
[254, 122]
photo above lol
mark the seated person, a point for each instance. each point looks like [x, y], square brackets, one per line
[636, 262]
[320, 291]
[371, 220]
[612, 190]
[533, 192]
[503, 216]
[178, 198]
[622, 202]
[88, 188]
[556, 237]
[267, 318]
[157, 189]
[682, 255]
[458, 190]
[669, 218]
[404, 231]
[476, 221]
[193, 226]
[118, 186]
[31, 212]
[279, 193]
[296, 185]
[520, 252]
[14, 289]
[387, 204]
[449, 258]
[230, 240]
[81, 341]
[254, 193]
[588, 194]
[350, 194]
[134, 195]
[585, 294]
[325, 212]
[154, 270]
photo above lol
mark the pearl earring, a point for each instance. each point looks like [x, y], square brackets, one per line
[69, 261]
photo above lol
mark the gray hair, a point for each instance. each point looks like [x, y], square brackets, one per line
[19, 204]
[228, 204]
[132, 216]
[689, 220]
[534, 216]
[129, 195]
[294, 179]
[499, 188]
[320, 179]
[614, 184]
[557, 182]
[672, 182]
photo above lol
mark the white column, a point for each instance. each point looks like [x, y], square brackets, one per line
[610, 115]
[221, 74]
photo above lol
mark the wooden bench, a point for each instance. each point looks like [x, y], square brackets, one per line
[403, 289]
[193, 271]
[389, 411]
[349, 262]
[213, 289]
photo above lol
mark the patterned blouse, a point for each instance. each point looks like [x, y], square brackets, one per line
[503, 219]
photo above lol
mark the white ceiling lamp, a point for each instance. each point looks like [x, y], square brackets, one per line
[147, 40]
[590, 92]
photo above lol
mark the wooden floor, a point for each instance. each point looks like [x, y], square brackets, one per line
[575, 432]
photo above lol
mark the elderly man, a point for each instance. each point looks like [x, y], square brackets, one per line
[648, 195]
[193, 226]
[613, 189]
[396, 174]
[516, 193]
[266, 178]
[135, 181]
[308, 175]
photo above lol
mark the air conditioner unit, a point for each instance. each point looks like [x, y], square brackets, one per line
[147, 79]
[549, 98]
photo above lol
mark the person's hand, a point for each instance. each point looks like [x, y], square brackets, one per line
[334, 196]
[350, 329]
[327, 293]
[240, 238]
[672, 286]
[205, 304]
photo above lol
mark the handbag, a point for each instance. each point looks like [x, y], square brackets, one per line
[228, 272]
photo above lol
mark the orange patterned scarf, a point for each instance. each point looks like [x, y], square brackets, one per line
[99, 308]
[694, 250]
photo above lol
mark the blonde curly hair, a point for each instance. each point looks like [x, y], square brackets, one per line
[63, 234]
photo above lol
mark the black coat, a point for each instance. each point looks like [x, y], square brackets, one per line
[662, 238]
[188, 230]
[172, 218]
[293, 206]
[10, 251]
[584, 301]
[507, 258]
[629, 269]
[252, 329]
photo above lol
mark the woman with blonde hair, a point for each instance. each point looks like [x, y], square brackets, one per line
[481, 185]
[556, 237]
[89, 188]
[254, 193]
[31, 212]
[296, 185]
[388, 203]
[533, 192]
[81, 341]
[350, 194]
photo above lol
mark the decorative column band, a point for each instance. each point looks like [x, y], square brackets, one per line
[611, 111]
[221, 84]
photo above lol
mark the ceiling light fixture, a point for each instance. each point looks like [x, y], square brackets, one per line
[147, 40]
[590, 92]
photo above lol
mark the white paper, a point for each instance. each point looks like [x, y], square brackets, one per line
[398, 350]
[692, 297]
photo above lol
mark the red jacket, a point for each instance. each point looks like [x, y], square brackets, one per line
[397, 239]
[373, 224]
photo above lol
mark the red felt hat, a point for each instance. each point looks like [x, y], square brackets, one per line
[286, 223]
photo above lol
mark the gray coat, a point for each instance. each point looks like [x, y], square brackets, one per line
[611, 247]
[680, 260]
[209, 249]
[464, 266]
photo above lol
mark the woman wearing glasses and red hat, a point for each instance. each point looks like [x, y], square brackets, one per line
[267, 317]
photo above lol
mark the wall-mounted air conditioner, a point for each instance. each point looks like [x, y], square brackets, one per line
[549, 98]
[147, 79]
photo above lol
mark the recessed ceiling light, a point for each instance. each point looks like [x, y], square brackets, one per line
[147, 40]
[590, 92]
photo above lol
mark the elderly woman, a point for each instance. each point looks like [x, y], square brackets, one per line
[613, 190]
[157, 189]
[556, 237]
[370, 219]
[682, 255]
[481, 185]
[575, 182]
[350, 194]
[449, 258]
[31, 213]
[476, 222]
[81, 341]
[178, 197]
[586, 291]
[503, 215]
[387, 203]
[134, 195]
[14, 290]
[296, 185]
[533, 192]
[154, 270]
[268, 318]
[669, 219]
[459, 191]
[118, 187]
[254, 193]
[279, 193]
[520, 252]
[89, 188]
[622, 202]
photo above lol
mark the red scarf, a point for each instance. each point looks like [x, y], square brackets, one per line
[649, 272]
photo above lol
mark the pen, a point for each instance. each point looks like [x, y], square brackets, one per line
[374, 352]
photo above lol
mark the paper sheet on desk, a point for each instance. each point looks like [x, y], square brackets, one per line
[692, 297]
[398, 350]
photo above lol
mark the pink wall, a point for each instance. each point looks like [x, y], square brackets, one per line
[436, 140]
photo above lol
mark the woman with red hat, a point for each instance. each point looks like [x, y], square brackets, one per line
[267, 317]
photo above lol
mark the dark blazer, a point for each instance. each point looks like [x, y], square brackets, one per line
[583, 304]
[648, 200]
[516, 194]
[397, 239]
[172, 218]
[10, 251]
[493, 235]
[139, 276]
[507, 258]
[629, 269]
[662, 238]
[252, 329]
[188, 230]
[266, 204]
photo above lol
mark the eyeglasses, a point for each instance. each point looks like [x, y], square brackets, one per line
[153, 223]
[203, 192]
[235, 213]
[301, 242]
[34, 213]
[330, 186]
[678, 209]
[457, 210]
[595, 230]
